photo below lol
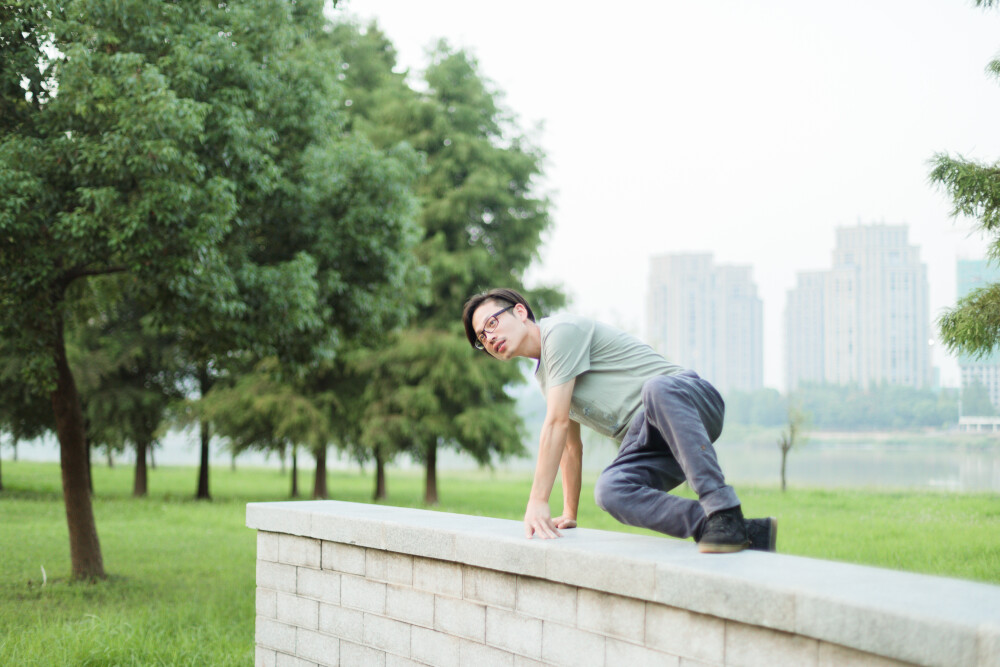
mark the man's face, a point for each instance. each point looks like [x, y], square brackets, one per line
[501, 326]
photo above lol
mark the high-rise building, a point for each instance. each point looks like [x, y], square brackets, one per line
[973, 274]
[708, 318]
[866, 320]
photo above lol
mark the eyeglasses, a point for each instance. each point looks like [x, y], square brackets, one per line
[491, 324]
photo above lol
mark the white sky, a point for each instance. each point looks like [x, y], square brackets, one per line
[749, 129]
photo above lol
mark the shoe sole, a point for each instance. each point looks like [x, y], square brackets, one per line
[722, 548]
[772, 544]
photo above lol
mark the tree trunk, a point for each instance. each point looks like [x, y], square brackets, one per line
[140, 488]
[84, 546]
[784, 459]
[111, 458]
[204, 384]
[295, 472]
[380, 490]
[232, 460]
[319, 485]
[152, 458]
[431, 483]
[90, 476]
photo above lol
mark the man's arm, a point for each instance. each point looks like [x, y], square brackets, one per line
[571, 466]
[551, 443]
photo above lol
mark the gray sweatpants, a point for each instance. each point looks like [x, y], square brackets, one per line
[669, 441]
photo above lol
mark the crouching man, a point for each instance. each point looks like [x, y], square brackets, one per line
[664, 417]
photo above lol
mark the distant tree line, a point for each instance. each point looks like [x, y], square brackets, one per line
[243, 219]
[836, 407]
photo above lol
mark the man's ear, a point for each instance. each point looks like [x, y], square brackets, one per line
[522, 312]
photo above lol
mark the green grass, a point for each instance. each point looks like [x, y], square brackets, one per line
[181, 584]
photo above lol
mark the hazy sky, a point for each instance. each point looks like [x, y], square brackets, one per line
[747, 129]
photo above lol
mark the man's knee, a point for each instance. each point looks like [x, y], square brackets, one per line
[608, 492]
[662, 387]
[602, 492]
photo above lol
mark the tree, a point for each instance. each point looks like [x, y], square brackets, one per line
[129, 375]
[139, 140]
[481, 224]
[261, 411]
[972, 327]
[791, 436]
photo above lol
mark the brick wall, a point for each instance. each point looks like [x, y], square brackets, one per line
[345, 584]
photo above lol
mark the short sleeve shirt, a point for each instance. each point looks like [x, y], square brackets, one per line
[609, 365]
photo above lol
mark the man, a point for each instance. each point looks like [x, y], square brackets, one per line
[664, 417]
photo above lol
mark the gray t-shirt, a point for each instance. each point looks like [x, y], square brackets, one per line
[610, 367]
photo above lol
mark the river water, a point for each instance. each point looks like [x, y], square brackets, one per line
[851, 461]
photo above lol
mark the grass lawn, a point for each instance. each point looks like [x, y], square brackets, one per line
[181, 584]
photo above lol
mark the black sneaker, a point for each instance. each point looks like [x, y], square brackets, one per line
[725, 532]
[763, 533]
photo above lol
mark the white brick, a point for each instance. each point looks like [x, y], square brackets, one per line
[267, 601]
[514, 632]
[276, 576]
[264, 657]
[562, 645]
[356, 655]
[459, 617]
[391, 567]
[691, 662]
[684, 633]
[293, 661]
[300, 612]
[296, 550]
[434, 648]
[319, 648]
[343, 558]
[622, 653]
[750, 646]
[546, 600]
[437, 576]
[340, 622]
[267, 546]
[477, 655]
[497, 589]
[272, 634]
[406, 604]
[319, 585]
[387, 635]
[611, 615]
[392, 660]
[833, 655]
[362, 594]
[521, 661]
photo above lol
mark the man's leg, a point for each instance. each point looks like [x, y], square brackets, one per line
[687, 413]
[633, 488]
[669, 442]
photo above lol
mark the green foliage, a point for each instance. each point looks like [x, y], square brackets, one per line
[481, 226]
[836, 407]
[972, 327]
[262, 410]
[426, 388]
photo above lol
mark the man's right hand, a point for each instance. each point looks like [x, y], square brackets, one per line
[538, 520]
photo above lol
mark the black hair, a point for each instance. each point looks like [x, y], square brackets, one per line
[503, 295]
